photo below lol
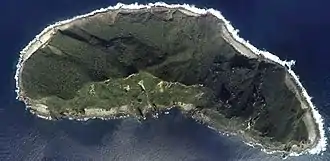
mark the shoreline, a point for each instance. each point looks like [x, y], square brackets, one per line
[231, 35]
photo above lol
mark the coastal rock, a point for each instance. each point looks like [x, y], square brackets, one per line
[140, 61]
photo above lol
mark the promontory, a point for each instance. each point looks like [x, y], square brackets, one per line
[137, 62]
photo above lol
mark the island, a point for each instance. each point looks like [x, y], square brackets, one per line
[127, 61]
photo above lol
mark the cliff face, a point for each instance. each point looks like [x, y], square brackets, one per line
[224, 88]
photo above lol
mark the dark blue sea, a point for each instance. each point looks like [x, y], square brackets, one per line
[292, 29]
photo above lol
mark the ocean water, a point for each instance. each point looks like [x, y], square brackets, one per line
[292, 29]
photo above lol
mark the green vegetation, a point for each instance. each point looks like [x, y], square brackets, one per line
[138, 92]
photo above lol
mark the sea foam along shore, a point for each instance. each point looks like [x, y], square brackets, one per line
[41, 39]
